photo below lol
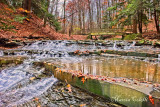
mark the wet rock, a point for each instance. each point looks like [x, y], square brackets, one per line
[157, 44]
[52, 105]
[11, 60]
[3, 41]
[11, 44]
[32, 37]
[8, 44]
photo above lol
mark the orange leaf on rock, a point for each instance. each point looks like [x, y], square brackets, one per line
[69, 88]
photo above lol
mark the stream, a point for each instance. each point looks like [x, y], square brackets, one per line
[28, 85]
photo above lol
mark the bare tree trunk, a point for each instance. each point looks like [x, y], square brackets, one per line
[98, 23]
[79, 17]
[56, 10]
[83, 16]
[156, 16]
[156, 19]
[52, 6]
[27, 5]
[90, 14]
[134, 25]
[64, 17]
[45, 17]
[100, 15]
[140, 21]
[71, 27]
[109, 15]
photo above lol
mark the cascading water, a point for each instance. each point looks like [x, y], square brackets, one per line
[129, 46]
[15, 84]
[115, 45]
[1, 53]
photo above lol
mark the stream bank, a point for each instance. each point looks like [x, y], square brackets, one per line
[82, 60]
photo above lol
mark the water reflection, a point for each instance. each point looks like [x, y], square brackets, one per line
[116, 67]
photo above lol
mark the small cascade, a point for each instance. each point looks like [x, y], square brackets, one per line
[158, 56]
[94, 45]
[16, 86]
[115, 45]
[22, 83]
[22, 94]
[1, 53]
[128, 46]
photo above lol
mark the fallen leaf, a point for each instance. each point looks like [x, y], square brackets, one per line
[32, 78]
[151, 99]
[36, 99]
[83, 80]
[69, 88]
[82, 105]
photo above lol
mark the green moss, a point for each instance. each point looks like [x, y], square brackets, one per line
[141, 41]
[97, 52]
[101, 37]
[131, 37]
[116, 39]
[19, 18]
[89, 37]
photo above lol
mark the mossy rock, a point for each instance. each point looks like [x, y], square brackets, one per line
[89, 37]
[5, 60]
[157, 44]
[132, 37]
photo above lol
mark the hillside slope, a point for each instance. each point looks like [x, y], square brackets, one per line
[13, 27]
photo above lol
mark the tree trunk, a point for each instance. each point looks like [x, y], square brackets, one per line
[64, 17]
[100, 15]
[27, 5]
[56, 10]
[83, 15]
[134, 25]
[97, 4]
[140, 21]
[71, 27]
[156, 19]
[79, 17]
[156, 16]
[90, 14]
[52, 6]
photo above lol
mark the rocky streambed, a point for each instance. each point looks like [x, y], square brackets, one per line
[102, 70]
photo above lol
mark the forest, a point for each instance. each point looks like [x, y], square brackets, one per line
[79, 53]
[83, 16]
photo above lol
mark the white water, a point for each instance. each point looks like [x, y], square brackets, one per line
[129, 46]
[1, 53]
[11, 78]
[16, 86]
[158, 56]
[115, 45]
